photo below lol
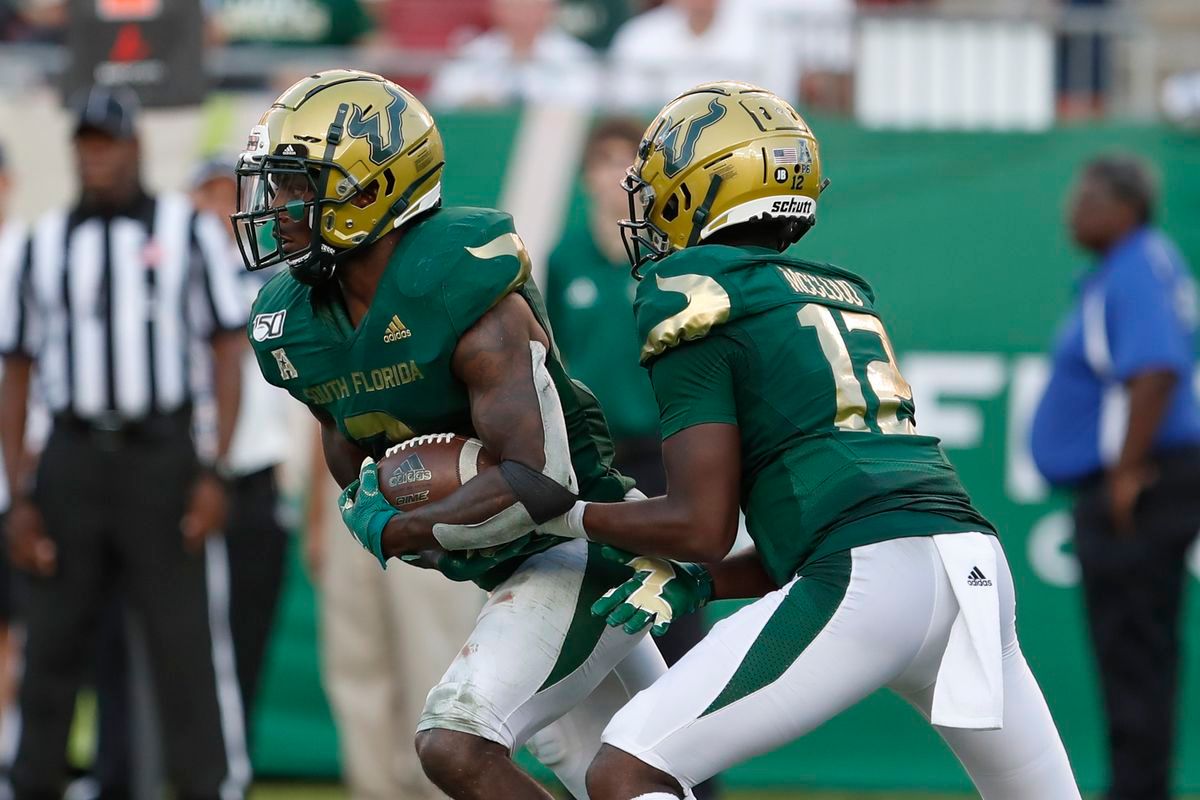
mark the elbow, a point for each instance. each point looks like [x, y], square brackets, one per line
[707, 542]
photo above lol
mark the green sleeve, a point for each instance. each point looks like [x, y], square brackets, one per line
[491, 263]
[694, 384]
[267, 364]
[268, 368]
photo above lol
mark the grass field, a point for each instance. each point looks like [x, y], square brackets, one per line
[317, 791]
[320, 791]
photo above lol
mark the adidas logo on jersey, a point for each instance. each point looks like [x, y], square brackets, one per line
[411, 470]
[977, 578]
[396, 330]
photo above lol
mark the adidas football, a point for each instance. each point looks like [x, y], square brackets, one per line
[429, 467]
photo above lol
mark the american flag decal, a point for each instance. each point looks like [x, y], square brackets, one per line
[786, 155]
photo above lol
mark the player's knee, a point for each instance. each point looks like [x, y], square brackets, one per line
[616, 775]
[450, 756]
[438, 756]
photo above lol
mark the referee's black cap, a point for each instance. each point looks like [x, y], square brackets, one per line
[112, 110]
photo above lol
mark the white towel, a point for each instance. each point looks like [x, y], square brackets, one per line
[970, 680]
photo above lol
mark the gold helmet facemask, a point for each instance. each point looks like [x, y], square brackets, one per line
[350, 153]
[719, 155]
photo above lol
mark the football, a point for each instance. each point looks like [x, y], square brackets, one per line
[429, 467]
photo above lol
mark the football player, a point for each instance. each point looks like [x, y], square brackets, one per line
[778, 387]
[397, 317]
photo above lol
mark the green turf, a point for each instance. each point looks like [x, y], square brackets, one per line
[325, 791]
[318, 791]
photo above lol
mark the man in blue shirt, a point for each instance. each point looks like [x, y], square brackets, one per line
[1119, 425]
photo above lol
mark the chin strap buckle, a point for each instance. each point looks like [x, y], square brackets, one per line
[333, 137]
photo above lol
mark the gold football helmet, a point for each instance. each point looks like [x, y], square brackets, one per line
[350, 152]
[721, 154]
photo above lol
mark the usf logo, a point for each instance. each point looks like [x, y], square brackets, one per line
[678, 144]
[649, 595]
[368, 124]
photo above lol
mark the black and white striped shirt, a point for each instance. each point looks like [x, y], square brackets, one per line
[111, 308]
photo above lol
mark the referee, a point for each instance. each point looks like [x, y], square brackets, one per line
[123, 306]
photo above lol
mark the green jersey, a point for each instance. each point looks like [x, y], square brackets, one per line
[390, 378]
[794, 354]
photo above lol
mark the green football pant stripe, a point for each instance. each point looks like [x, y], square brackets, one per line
[585, 630]
[803, 613]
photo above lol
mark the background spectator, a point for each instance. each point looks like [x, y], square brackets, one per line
[1084, 68]
[33, 20]
[1181, 98]
[811, 47]
[1119, 425]
[596, 21]
[526, 57]
[659, 54]
[310, 23]
[433, 25]
[588, 285]
[12, 237]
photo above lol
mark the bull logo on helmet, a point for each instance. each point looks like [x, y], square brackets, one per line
[677, 153]
[362, 126]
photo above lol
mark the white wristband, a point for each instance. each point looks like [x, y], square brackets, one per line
[575, 520]
[568, 525]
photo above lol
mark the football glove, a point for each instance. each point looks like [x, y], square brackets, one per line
[365, 511]
[659, 591]
[467, 565]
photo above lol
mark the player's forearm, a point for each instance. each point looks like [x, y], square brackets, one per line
[666, 527]
[341, 457]
[477, 501]
[741, 576]
[14, 398]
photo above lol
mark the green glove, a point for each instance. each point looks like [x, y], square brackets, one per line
[467, 565]
[659, 591]
[365, 511]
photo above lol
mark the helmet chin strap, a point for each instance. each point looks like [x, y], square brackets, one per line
[702, 211]
[315, 268]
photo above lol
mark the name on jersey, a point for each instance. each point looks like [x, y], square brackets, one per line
[829, 288]
[362, 382]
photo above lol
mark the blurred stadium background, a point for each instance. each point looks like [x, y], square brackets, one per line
[950, 129]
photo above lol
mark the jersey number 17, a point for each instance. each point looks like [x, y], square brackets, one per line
[887, 384]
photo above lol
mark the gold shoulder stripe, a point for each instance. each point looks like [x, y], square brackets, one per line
[708, 305]
[506, 244]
